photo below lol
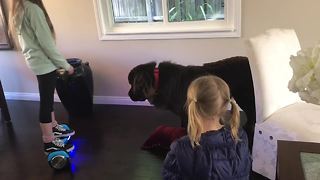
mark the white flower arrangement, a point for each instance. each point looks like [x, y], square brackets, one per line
[306, 74]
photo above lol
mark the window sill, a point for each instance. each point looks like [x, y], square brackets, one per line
[169, 35]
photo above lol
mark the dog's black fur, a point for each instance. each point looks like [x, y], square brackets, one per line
[174, 80]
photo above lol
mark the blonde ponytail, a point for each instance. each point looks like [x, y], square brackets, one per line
[194, 126]
[235, 119]
[207, 100]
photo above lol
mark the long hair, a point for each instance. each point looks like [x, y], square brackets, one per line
[16, 11]
[209, 96]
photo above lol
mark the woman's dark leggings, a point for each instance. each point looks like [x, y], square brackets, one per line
[47, 85]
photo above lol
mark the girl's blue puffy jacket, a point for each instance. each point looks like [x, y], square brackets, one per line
[217, 158]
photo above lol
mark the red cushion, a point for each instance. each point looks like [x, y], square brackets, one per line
[162, 137]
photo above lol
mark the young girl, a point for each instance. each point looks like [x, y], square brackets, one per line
[214, 148]
[29, 21]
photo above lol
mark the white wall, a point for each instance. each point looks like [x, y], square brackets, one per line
[77, 36]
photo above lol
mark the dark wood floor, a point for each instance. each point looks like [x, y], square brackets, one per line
[107, 144]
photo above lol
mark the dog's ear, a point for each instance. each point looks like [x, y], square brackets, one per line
[148, 71]
[148, 67]
[142, 70]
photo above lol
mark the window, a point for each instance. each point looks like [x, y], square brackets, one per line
[137, 11]
[167, 19]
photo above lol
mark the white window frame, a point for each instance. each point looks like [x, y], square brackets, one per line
[108, 30]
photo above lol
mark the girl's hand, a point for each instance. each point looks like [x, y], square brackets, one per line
[70, 70]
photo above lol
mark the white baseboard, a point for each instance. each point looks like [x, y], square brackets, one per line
[114, 100]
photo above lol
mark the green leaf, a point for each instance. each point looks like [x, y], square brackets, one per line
[172, 17]
[203, 13]
[172, 9]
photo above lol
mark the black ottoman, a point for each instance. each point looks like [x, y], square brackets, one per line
[76, 91]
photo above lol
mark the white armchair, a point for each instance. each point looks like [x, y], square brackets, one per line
[280, 114]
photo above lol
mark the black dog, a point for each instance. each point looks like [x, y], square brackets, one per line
[166, 86]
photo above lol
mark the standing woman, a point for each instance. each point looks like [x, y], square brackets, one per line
[30, 24]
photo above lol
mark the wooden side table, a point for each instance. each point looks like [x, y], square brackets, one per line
[289, 161]
[3, 105]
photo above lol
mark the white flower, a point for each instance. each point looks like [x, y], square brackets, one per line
[306, 74]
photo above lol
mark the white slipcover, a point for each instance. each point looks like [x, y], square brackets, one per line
[280, 114]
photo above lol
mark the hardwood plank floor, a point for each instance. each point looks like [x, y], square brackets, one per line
[107, 144]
